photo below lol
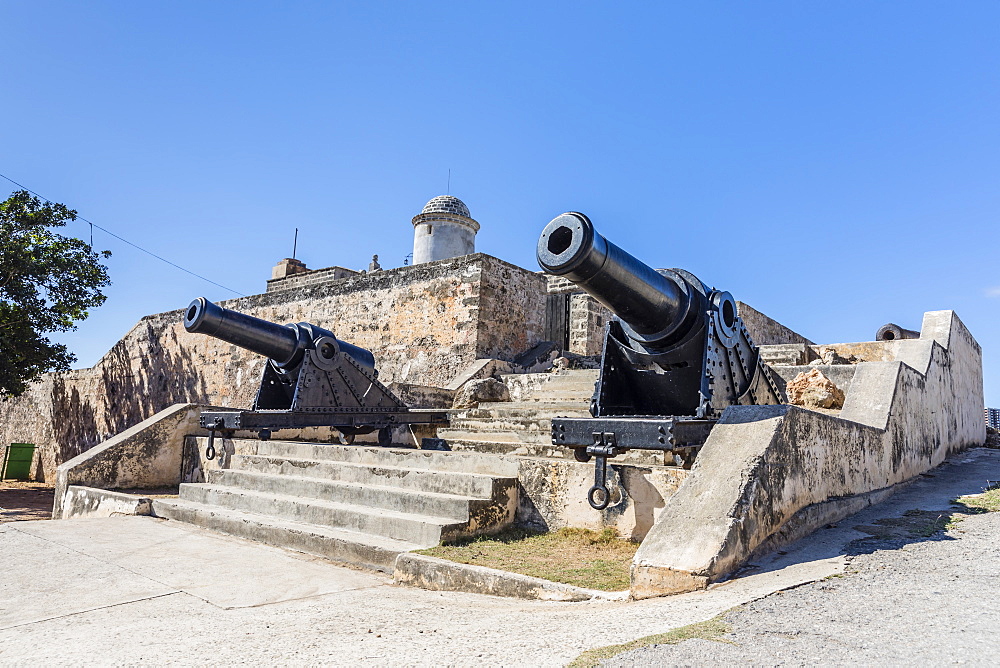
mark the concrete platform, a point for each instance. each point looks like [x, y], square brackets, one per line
[139, 590]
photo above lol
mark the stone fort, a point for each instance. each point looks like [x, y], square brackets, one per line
[455, 318]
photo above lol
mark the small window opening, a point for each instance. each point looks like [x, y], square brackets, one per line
[430, 228]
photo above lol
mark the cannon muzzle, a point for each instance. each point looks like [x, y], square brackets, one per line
[892, 332]
[653, 304]
[282, 344]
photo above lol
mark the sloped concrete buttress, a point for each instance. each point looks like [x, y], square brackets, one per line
[145, 455]
[764, 467]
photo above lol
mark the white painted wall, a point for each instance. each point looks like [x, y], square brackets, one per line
[442, 239]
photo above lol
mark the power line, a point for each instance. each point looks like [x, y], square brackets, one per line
[123, 240]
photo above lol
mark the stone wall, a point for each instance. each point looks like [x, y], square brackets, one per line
[587, 319]
[425, 324]
[767, 332]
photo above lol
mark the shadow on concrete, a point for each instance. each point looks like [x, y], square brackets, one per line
[914, 526]
[25, 501]
[920, 511]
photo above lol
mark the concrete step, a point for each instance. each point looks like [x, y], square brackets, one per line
[532, 425]
[399, 457]
[436, 504]
[564, 392]
[514, 445]
[365, 550]
[560, 380]
[408, 527]
[526, 386]
[555, 405]
[476, 485]
[536, 412]
[377, 457]
[524, 409]
[498, 436]
[568, 376]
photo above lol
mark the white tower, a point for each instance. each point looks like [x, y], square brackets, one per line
[442, 230]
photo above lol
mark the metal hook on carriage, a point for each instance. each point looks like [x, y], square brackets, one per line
[605, 445]
[210, 450]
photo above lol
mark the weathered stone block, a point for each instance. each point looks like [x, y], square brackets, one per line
[476, 391]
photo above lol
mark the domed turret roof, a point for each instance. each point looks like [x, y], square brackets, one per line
[447, 204]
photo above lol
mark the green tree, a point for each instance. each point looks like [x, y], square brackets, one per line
[47, 283]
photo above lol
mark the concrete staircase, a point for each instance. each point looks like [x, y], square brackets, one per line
[523, 425]
[366, 505]
[362, 505]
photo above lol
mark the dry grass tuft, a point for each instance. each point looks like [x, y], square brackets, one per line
[579, 557]
[988, 501]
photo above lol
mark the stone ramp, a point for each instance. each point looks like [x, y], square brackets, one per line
[523, 426]
[362, 505]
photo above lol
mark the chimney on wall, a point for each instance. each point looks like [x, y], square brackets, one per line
[288, 267]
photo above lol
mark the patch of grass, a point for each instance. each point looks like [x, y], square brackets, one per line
[988, 501]
[712, 629]
[579, 557]
[927, 523]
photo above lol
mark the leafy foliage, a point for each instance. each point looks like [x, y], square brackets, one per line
[47, 284]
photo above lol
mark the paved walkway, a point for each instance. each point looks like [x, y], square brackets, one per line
[931, 603]
[903, 599]
[130, 590]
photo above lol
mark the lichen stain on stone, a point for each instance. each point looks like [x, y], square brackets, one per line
[389, 473]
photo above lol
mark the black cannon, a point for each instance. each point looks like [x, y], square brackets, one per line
[892, 332]
[311, 379]
[676, 356]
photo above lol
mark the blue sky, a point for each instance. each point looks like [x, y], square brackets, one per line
[834, 165]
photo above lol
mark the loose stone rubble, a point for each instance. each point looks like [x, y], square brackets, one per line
[814, 390]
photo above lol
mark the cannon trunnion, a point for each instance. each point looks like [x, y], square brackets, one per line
[676, 356]
[311, 379]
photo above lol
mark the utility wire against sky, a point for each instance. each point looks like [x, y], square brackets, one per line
[123, 240]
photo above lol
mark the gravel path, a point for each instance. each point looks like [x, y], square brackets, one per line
[930, 600]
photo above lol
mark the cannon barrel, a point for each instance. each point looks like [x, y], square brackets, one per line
[283, 344]
[891, 332]
[651, 304]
